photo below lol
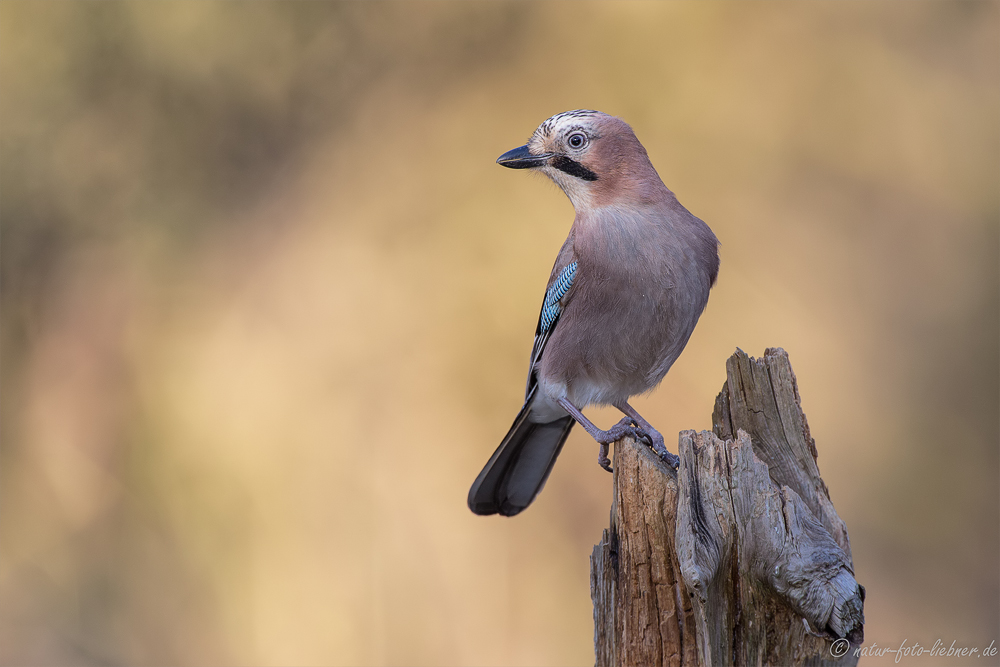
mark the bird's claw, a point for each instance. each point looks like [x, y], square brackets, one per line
[603, 460]
[671, 460]
[655, 442]
[629, 427]
[613, 434]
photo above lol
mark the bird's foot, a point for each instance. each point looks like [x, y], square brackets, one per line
[660, 447]
[602, 458]
[628, 427]
[655, 442]
[643, 432]
[633, 425]
[625, 427]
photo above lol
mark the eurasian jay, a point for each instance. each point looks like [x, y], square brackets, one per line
[626, 291]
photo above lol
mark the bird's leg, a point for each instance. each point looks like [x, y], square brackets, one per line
[656, 440]
[604, 438]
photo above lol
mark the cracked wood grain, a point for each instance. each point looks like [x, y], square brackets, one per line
[737, 558]
[758, 562]
[761, 397]
[642, 612]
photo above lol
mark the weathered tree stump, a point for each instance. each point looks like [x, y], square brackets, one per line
[739, 557]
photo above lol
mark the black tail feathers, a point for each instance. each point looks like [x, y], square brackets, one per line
[519, 467]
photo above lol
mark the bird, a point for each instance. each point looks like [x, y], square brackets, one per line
[624, 295]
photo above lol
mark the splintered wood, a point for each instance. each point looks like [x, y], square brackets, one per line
[739, 557]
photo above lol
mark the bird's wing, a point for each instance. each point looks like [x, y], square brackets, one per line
[557, 295]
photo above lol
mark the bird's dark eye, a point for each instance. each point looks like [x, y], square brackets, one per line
[577, 140]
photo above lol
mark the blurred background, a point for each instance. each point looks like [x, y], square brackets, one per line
[267, 304]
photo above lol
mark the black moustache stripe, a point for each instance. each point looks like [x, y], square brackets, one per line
[573, 168]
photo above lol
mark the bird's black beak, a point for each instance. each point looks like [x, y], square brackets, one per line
[520, 158]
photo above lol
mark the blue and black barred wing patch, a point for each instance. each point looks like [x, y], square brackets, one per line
[551, 310]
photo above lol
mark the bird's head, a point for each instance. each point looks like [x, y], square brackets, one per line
[595, 158]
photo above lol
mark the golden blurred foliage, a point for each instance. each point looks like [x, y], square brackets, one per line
[267, 304]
